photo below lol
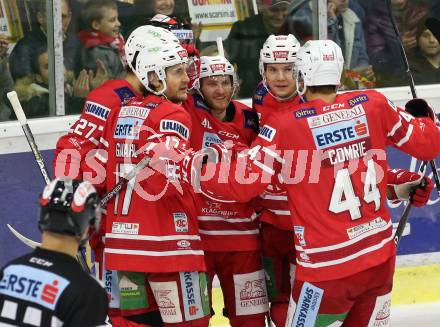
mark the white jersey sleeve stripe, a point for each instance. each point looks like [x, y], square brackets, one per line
[229, 232]
[347, 258]
[264, 167]
[395, 128]
[347, 243]
[406, 137]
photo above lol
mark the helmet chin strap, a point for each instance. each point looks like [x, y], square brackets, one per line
[281, 99]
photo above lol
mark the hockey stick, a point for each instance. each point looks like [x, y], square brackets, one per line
[220, 49]
[124, 181]
[13, 99]
[405, 216]
[16, 106]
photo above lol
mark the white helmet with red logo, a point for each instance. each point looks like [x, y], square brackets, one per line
[278, 49]
[155, 58]
[215, 66]
[319, 62]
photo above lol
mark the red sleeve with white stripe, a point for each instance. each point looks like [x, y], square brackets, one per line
[84, 136]
[419, 137]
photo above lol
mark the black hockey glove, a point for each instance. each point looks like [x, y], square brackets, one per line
[419, 108]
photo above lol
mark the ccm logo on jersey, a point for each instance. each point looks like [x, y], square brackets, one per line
[174, 126]
[339, 133]
[33, 285]
[333, 106]
[96, 110]
[335, 116]
[267, 133]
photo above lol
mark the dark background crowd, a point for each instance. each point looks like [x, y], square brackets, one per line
[94, 33]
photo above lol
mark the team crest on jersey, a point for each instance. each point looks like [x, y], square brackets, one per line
[251, 120]
[299, 233]
[33, 285]
[128, 128]
[180, 222]
[304, 113]
[167, 125]
[267, 133]
[124, 93]
[357, 100]
[260, 92]
[97, 110]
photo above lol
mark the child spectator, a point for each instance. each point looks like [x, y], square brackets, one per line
[425, 62]
[103, 45]
[382, 43]
[34, 91]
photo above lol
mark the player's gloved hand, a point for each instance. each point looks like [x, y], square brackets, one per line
[404, 185]
[419, 108]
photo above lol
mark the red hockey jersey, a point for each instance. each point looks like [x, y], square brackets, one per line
[145, 231]
[332, 157]
[274, 199]
[73, 148]
[224, 226]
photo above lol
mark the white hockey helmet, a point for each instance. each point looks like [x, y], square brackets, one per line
[319, 62]
[145, 36]
[215, 66]
[278, 49]
[155, 58]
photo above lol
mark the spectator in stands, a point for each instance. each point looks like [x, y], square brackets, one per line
[6, 82]
[382, 43]
[425, 62]
[247, 37]
[34, 94]
[24, 51]
[103, 51]
[345, 28]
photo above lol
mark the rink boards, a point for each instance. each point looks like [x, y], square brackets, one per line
[21, 183]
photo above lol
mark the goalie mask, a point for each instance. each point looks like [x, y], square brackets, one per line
[68, 207]
[215, 66]
[319, 62]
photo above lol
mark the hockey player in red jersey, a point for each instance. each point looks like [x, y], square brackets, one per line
[276, 92]
[75, 150]
[152, 239]
[229, 231]
[330, 153]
